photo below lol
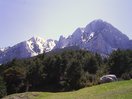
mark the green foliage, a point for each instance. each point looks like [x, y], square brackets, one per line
[126, 76]
[14, 77]
[114, 90]
[64, 71]
[120, 62]
[2, 88]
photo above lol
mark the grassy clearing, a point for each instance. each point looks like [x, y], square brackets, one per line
[115, 90]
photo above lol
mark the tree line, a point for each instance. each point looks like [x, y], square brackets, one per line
[64, 71]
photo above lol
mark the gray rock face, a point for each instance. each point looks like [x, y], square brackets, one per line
[98, 36]
[108, 78]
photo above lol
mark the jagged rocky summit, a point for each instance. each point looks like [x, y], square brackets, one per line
[98, 36]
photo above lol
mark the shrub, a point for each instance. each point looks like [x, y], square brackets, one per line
[126, 76]
[2, 88]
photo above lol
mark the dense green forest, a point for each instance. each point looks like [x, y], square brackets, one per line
[64, 71]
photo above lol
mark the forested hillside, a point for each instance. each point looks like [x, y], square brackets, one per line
[64, 71]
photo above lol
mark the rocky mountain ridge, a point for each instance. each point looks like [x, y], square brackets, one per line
[98, 37]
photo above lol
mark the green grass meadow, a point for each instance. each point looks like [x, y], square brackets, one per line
[114, 90]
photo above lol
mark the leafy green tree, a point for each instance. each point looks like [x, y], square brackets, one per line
[14, 78]
[91, 65]
[120, 62]
[74, 73]
[34, 73]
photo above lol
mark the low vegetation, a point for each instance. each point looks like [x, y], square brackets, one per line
[65, 71]
[115, 90]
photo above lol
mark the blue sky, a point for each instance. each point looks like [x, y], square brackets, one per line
[22, 19]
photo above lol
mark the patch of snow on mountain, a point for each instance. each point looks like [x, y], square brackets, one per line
[49, 45]
[2, 49]
[91, 36]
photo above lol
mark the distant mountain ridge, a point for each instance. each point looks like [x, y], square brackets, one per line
[98, 36]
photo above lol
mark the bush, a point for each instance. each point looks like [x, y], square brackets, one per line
[126, 76]
[2, 88]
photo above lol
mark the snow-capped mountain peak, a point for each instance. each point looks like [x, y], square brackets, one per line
[37, 39]
[32, 47]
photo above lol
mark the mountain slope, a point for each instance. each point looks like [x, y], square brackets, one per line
[98, 36]
[29, 48]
